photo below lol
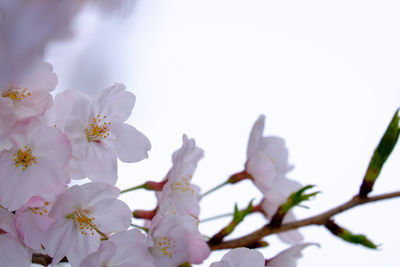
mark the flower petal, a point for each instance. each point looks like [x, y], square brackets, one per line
[131, 145]
[115, 102]
[120, 219]
[12, 252]
[100, 165]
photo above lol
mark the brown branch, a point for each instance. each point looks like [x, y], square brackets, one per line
[44, 259]
[320, 219]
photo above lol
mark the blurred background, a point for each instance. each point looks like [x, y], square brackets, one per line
[325, 74]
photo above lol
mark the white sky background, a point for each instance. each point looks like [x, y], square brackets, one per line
[325, 74]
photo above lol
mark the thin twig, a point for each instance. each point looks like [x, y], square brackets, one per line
[320, 219]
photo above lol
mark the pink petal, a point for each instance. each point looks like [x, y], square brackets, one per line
[198, 248]
[84, 246]
[100, 165]
[71, 105]
[255, 136]
[131, 145]
[35, 104]
[242, 257]
[115, 102]
[67, 201]
[7, 222]
[111, 215]
[289, 257]
[102, 256]
[7, 115]
[59, 240]
[12, 253]
[95, 192]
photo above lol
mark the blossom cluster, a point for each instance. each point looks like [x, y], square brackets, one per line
[47, 141]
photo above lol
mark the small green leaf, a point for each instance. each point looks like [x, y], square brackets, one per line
[293, 200]
[239, 215]
[296, 198]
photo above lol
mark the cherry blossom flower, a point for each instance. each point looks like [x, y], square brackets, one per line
[24, 98]
[176, 241]
[241, 257]
[118, 251]
[288, 257]
[30, 95]
[84, 215]
[179, 195]
[267, 163]
[12, 251]
[32, 221]
[34, 165]
[98, 133]
[267, 157]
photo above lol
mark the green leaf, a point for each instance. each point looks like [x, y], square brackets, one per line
[296, 198]
[357, 239]
[293, 200]
[381, 153]
[346, 235]
[239, 215]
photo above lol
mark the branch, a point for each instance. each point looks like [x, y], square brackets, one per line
[44, 259]
[320, 219]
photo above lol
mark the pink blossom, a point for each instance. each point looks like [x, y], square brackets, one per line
[98, 133]
[267, 157]
[30, 95]
[26, 97]
[289, 257]
[34, 165]
[177, 240]
[84, 214]
[12, 251]
[123, 249]
[32, 221]
[179, 195]
[241, 257]
[267, 163]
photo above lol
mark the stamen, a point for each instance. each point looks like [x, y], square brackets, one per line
[84, 222]
[40, 210]
[166, 246]
[16, 93]
[182, 186]
[98, 129]
[24, 158]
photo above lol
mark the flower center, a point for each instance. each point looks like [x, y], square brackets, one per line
[82, 220]
[40, 210]
[17, 93]
[24, 158]
[98, 129]
[182, 186]
[166, 246]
